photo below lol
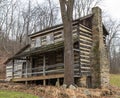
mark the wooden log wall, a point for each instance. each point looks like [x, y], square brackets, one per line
[85, 42]
[82, 47]
[59, 56]
[58, 36]
[38, 62]
[9, 70]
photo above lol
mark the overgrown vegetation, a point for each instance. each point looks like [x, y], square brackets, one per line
[115, 80]
[11, 94]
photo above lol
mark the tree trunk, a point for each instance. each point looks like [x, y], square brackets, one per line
[67, 13]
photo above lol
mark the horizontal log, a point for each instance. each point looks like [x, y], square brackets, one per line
[85, 34]
[85, 50]
[88, 68]
[84, 30]
[84, 64]
[84, 60]
[83, 46]
[85, 38]
[86, 41]
[88, 49]
[76, 61]
[40, 77]
[60, 39]
[75, 35]
[88, 45]
[84, 53]
[55, 65]
[87, 56]
[58, 33]
[76, 50]
[84, 27]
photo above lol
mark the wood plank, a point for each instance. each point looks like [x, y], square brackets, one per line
[39, 77]
[86, 56]
[89, 41]
[84, 30]
[85, 48]
[84, 37]
[85, 60]
[84, 52]
[82, 44]
[86, 34]
[84, 27]
[76, 50]
[82, 64]
[88, 68]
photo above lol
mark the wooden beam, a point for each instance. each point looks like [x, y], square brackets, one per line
[39, 77]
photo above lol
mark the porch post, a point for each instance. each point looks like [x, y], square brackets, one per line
[26, 82]
[13, 70]
[44, 81]
[30, 67]
[26, 68]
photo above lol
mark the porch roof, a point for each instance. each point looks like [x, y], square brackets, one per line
[42, 49]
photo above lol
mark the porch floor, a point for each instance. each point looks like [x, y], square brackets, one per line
[32, 78]
[38, 78]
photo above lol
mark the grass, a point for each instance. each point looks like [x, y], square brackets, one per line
[115, 80]
[12, 94]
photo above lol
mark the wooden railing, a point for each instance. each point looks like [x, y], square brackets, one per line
[48, 70]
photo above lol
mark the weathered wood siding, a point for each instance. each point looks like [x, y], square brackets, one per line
[9, 69]
[82, 48]
[85, 45]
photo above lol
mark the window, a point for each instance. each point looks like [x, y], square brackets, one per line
[38, 42]
[50, 39]
[33, 43]
[43, 40]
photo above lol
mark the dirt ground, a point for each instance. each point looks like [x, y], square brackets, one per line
[61, 92]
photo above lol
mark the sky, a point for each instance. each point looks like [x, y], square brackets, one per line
[112, 8]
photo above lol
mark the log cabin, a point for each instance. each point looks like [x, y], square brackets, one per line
[42, 61]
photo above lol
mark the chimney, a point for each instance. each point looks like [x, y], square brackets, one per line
[99, 56]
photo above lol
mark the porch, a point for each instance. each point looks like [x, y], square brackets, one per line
[47, 63]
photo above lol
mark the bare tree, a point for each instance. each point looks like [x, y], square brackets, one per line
[67, 13]
[18, 21]
[112, 42]
[83, 7]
